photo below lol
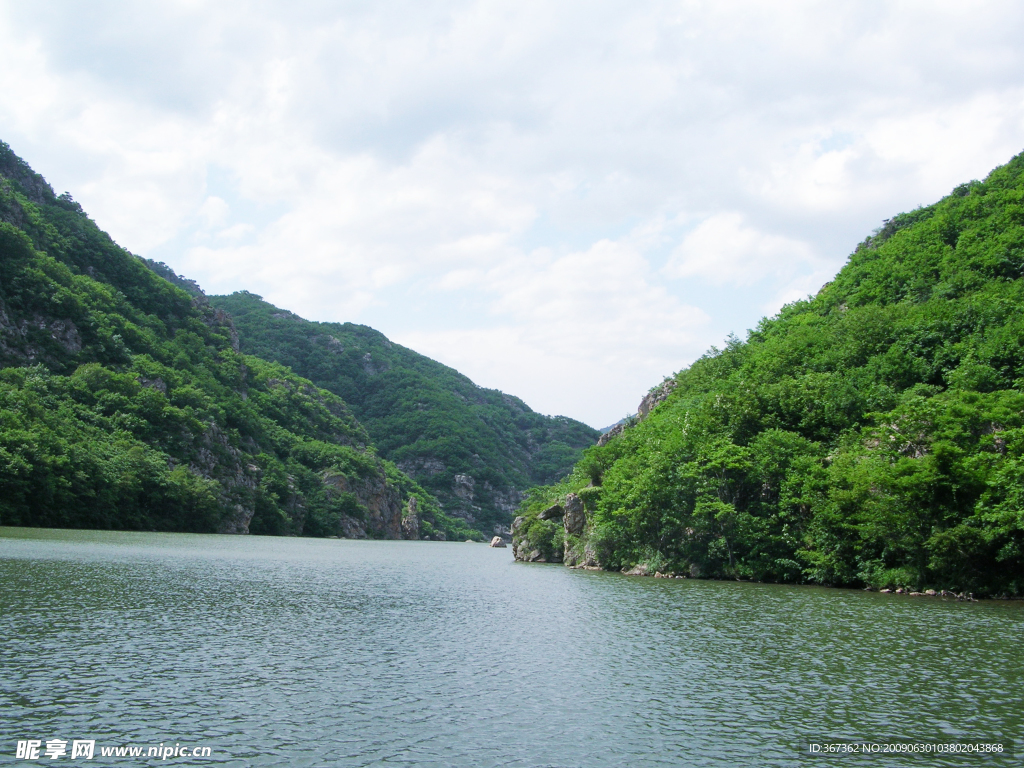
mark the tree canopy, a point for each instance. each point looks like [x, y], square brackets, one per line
[870, 435]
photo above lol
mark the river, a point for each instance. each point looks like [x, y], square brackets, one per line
[311, 652]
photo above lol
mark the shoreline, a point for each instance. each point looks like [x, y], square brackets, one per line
[944, 594]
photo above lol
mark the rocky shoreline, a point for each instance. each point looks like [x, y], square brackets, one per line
[577, 553]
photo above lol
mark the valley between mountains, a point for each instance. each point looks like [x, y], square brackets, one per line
[871, 435]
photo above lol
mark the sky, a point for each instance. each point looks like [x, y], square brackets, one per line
[568, 201]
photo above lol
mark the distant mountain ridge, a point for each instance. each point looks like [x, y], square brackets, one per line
[477, 450]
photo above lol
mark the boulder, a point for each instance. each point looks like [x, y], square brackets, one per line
[498, 542]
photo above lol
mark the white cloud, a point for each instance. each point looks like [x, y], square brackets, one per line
[724, 249]
[214, 211]
[581, 324]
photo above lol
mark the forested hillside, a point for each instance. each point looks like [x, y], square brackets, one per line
[125, 403]
[475, 449]
[871, 435]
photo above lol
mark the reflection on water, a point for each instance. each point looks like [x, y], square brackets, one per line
[332, 652]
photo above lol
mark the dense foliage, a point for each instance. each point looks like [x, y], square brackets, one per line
[871, 435]
[429, 419]
[124, 402]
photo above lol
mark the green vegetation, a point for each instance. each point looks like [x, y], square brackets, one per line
[871, 435]
[429, 419]
[125, 403]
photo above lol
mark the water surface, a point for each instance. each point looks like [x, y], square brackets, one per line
[309, 652]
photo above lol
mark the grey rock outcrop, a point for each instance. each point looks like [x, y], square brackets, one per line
[463, 500]
[36, 338]
[382, 502]
[464, 487]
[155, 383]
[654, 398]
[411, 521]
[517, 541]
[578, 553]
[215, 458]
[575, 518]
[505, 499]
[611, 434]
[498, 542]
[572, 515]
[649, 402]
[554, 512]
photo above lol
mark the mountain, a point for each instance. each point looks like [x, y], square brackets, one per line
[125, 402]
[869, 436]
[477, 450]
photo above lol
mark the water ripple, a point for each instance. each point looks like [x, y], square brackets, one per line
[347, 653]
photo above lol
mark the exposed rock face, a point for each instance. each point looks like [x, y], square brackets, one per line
[576, 554]
[222, 319]
[332, 343]
[35, 187]
[575, 516]
[554, 512]
[505, 499]
[654, 398]
[517, 541]
[411, 521]
[352, 529]
[463, 487]
[216, 459]
[382, 502]
[462, 502]
[36, 338]
[238, 522]
[611, 433]
[571, 514]
[155, 383]
[650, 401]
[498, 542]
